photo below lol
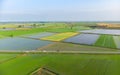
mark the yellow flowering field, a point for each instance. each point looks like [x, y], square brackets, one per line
[60, 36]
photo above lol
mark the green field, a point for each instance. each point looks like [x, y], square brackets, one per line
[117, 41]
[68, 29]
[106, 41]
[6, 57]
[21, 32]
[64, 64]
[47, 27]
[1, 36]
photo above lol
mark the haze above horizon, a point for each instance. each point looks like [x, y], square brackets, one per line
[59, 10]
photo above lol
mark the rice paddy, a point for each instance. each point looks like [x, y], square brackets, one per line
[103, 31]
[82, 64]
[39, 35]
[88, 39]
[59, 48]
[21, 44]
[60, 36]
[106, 41]
[117, 41]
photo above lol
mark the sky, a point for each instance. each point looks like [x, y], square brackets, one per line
[59, 10]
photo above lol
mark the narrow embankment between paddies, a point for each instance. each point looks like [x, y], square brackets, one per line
[63, 52]
[43, 71]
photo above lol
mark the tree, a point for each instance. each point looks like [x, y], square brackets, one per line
[11, 35]
[4, 27]
[71, 25]
[20, 26]
[34, 25]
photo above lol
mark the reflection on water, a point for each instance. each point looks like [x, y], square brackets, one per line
[21, 44]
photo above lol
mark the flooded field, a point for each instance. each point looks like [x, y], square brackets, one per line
[40, 35]
[21, 44]
[7, 29]
[102, 31]
[88, 39]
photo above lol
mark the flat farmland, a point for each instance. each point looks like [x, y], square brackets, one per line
[21, 44]
[87, 39]
[102, 31]
[117, 41]
[60, 36]
[21, 32]
[106, 41]
[7, 57]
[59, 47]
[1, 36]
[69, 47]
[39, 35]
[82, 64]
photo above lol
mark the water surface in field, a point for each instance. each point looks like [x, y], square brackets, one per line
[7, 29]
[40, 35]
[102, 31]
[88, 39]
[21, 44]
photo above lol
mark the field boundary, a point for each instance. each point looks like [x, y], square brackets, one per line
[61, 52]
[46, 70]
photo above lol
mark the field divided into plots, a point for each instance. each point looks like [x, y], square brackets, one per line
[60, 36]
[106, 41]
[79, 64]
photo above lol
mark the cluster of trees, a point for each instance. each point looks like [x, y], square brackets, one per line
[32, 25]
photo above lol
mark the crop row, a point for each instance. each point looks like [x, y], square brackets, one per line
[106, 41]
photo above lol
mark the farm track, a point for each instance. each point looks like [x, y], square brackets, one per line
[62, 52]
